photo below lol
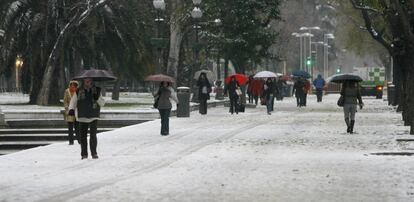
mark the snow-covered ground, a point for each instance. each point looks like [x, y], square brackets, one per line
[295, 154]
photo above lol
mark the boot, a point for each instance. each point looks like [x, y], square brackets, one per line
[351, 127]
[347, 125]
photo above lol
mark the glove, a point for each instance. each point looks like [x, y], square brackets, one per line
[361, 105]
[71, 112]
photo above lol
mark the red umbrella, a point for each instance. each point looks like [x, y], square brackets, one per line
[240, 78]
[159, 78]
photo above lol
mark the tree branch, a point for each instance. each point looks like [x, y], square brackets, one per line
[364, 8]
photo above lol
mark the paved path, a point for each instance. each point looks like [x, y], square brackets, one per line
[295, 154]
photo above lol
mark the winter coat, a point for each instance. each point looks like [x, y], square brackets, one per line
[87, 104]
[163, 95]
[319, 82]
[204, 89]
[233, 85]
[66, 101]
[256, 87]
[269, 89]
[298, 87]
[352, 95]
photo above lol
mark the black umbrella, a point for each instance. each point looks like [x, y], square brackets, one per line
[341, 78]
[301, 73]
[96, 75]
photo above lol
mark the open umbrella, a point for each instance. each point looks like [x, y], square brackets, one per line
[341, 78]
[209, 74]
[240, 78]
[301, 73]
[265, 74]
[159, 78]
[96, 75]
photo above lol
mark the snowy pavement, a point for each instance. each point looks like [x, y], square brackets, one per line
[295, 154]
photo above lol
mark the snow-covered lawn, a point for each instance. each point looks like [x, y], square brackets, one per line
[295, 154]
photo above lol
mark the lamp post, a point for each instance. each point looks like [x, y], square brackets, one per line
[326, 38]
[159, 5]
[303, 56]
[19, 64]
[196, 14]
[316, 53]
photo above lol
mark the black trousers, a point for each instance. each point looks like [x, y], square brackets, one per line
[233, 104]
[319, 94]
[93, 141]
[165, 121]
[73, 129]
[202, 108]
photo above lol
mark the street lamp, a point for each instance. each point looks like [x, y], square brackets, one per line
[159, 5]
[316, 53]
[302, 46]
[326, 38]
[19, 64]
[196, 14]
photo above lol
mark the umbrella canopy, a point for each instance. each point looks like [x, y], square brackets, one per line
[160, 78]
[301, 73]
[265, 74]
[96, 75]
[285, 78]
[240, 78]
[209, 74]
[341, 78]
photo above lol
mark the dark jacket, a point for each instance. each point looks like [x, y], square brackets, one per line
[298, 87]
[233, 85]
[203, 84]
[269, 89]
[352, 95]
[163, 95]
[87, 102]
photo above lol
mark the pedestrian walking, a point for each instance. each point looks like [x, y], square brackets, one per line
[352, 96]
[306, 90]
[204, 90]
[70, 119]
[234, 91]
[162, 97]
[250, 89]
[280, 86]
[298, 89]
[86, 105]
[268, 93]
[319, 83]
[256, 89]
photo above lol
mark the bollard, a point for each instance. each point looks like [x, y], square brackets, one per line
[391, 93]
[183, 95]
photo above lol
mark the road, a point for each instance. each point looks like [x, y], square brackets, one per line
[295, 154]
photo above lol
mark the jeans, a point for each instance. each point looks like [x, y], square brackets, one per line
[349, 111]
[269, 103]
[93, 141]
[165, 120]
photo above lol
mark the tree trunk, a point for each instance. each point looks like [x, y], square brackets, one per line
[115, 91]
[176, 37]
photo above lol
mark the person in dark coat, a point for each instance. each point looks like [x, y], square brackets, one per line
[86, 105]
[234, 97]
[268, 93]
[352, 96]
[319, 83]
[298, 89]
[162, 97]
[306, 90]
[280, 88]
[204, 89]
[250, 89]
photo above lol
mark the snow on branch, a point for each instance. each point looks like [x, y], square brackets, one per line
[363, 7]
